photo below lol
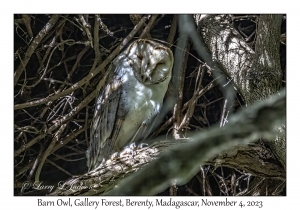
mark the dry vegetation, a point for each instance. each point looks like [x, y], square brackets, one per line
[59, 62]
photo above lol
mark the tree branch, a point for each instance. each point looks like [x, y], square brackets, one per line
[182, 161]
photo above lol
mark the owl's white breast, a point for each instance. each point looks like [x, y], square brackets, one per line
[143, 102]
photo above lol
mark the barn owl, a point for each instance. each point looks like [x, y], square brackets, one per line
[131, 99]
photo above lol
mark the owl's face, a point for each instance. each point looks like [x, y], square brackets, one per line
[151, 62]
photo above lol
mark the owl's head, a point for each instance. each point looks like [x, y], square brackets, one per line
[151, 61]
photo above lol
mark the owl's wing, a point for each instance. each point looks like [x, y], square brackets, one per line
[107, 120]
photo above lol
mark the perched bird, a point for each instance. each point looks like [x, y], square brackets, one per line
[131, 99]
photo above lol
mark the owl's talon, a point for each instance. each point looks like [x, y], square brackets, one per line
[142, 145]
[132, 146]
[128, 150]
[115, 156]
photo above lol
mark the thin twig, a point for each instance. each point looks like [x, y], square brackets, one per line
[48, 151]
[146, 31]
[86, 27]
[173, 30]
[178, 105]
[64, 141]
[90, 75]
[33, 46]
[63, 120]
[60, 168]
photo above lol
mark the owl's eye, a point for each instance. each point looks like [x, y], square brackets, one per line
[140, 57]
[160, 63]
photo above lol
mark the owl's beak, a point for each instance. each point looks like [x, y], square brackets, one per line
[144, 78]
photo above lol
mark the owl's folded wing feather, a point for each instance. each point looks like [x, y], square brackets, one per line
[107, 120]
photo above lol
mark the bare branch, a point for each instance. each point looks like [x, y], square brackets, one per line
[90, 75]
[33, 46]
[182, 161]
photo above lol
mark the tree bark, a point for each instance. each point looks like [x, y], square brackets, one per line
[256, 75]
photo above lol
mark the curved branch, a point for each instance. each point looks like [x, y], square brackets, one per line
[33, 46]
[182, 161]
[90, 75]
